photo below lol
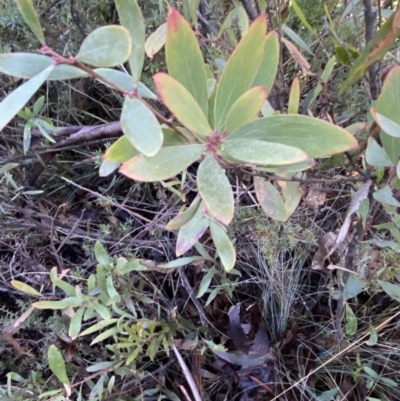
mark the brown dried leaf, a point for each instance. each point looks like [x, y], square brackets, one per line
[327, 242]
[315, 198]
[298, 57]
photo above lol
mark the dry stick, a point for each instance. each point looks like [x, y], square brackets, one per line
[188, 375]
[348, 348]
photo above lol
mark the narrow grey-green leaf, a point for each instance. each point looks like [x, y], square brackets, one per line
[76, 323]
[191, 232]
[17, 99]
[225, 249]
[28, 12]
[269, 64]
[57, 364]
[182, 218]
[267, 153]
[205, 282]
[373, 336]
[240, 71]
[215, 189]
[141, 127]
[107, 167]
[181, 262]
[167, 163]
[27, 65]
[375, 155]
[69, 302]
[316, 137]
[101, 254]
[392, 290]
[156, 41]
[351, 321]
[125, 81]
[107, 46]
[131, 18]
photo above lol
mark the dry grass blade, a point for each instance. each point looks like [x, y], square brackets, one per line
[188, 375]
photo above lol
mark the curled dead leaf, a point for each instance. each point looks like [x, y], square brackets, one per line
[298, 57]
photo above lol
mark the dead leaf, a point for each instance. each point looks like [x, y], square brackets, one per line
[23, 317]
[235, 330]
[355, 203]
[8, 332]
[298, 57]
[315, 198]
[327, 242]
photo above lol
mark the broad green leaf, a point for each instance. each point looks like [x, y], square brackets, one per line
[316, 137]
[261, 152]
[238, 13]
[215, 189]
[23, 287]
[98, 326]
[184, 58]
[269, 63]
[392, 290]
[101, 254]
[270, 199]
[167, 163]
[375, 50]
[107, 168]
[294, 97]
[225, 249]
[76, 323]
[28, 12]
[246, 108]
[206, 281]
[125, 81]
[69, 302]
[182, 218]
[184, 106]
[131, 18]
[181, 262]
[107, 46]
[121, 151]
[353, 287]
[351, 321]
[302, 17]
[57, 364]
[240, 71]
[191, 232]
[375, 155]
[156, 41]
[267, 110]
[17, 99]
[27, 65]
[141, 127]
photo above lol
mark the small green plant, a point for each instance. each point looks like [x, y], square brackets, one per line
[103, 309]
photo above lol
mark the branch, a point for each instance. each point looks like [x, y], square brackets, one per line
[370, 17]
[251, 12]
